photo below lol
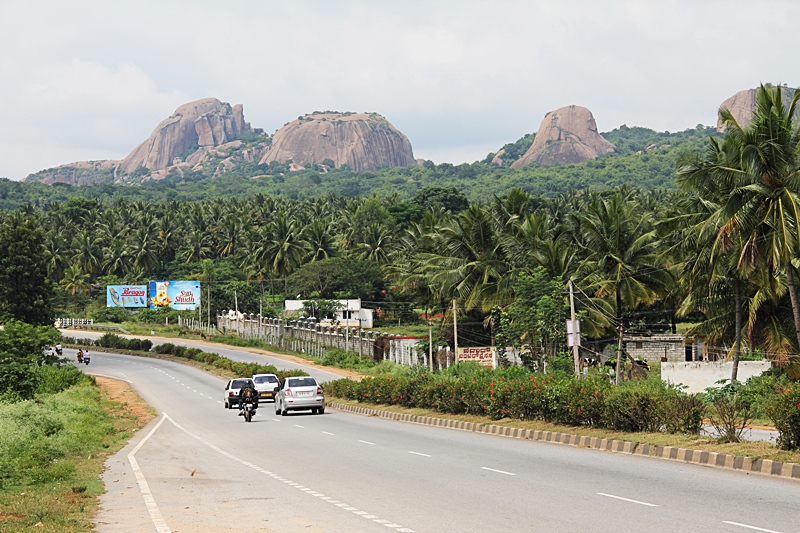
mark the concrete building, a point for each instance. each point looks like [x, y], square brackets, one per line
[350, 312]
[665, 347]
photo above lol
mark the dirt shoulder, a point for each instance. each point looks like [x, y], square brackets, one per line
[130, 403]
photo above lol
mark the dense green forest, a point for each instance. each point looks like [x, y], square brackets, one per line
[719, 250]
[634, 165]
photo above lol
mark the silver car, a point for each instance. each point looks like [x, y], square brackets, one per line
[300, 393]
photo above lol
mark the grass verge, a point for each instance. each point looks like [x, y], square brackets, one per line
[54, 449]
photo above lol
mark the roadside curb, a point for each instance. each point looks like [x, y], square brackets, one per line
[670, 453]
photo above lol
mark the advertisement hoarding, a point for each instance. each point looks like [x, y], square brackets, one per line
[181, 295]
[483, 355]
[126, 295]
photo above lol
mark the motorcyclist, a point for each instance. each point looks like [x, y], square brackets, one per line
[80, 355]
[59, 350]
[248, 394]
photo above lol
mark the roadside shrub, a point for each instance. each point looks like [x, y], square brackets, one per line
[112, 340]
[683, 413]
[732, 409]
[634, 407]
[115, 315]
[54, 379]
[784, 411]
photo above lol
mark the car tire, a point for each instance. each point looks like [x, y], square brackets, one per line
[226, 405]
[277, 409]
[321, 411]
[284, 411]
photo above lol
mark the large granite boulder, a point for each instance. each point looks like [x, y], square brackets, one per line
[364, 141]
[566, 135]
[204, 123]
[742, 105]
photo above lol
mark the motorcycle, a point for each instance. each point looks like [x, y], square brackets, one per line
[59, 351]
[249, 409]
[86, 359]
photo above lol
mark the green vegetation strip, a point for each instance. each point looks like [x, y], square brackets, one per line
[53, 448]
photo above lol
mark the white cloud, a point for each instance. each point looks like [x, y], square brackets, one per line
[88, 79]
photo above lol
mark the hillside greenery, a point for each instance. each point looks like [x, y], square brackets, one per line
[633, 165]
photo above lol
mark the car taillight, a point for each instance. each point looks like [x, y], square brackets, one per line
[230, 393]
[287, 392]
[319, 390]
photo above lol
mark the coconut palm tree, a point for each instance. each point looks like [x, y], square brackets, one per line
[622, 261]
[75, 282]
[763, 204]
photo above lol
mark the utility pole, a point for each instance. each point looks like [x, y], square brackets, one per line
[575, 356]
[455, 333]
[619, 354]
[430, 344]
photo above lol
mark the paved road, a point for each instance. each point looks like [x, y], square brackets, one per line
[235, 354]
[202, 468]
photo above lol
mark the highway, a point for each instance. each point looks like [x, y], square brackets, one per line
[199, 467]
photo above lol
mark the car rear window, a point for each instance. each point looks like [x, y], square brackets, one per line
[266, 379]
[239, 383]
[302, 382]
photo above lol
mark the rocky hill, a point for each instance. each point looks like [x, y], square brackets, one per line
[743, 104]
[205, 123]
[566, 135]
[363, 141]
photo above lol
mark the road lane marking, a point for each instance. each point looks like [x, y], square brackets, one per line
[297, 426]
[422, 454]
[626, 499]
[277, 477]
[750, 527]
[498, 471]
[367, 442]
[328, 433]
[155, 514]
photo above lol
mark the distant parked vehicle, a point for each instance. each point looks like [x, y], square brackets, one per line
[300, 393]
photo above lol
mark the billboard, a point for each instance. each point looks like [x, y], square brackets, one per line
[182, 295]
[126, 295]
[483, 355]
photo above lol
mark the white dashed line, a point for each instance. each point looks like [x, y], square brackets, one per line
[337, 503]
[417, 453]
[499, 471]
[328, 433]
[367, 442]
[297, 426]
[750, 527]
[626, 499]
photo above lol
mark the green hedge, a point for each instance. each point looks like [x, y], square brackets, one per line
[636, 406]
[111, 340]
[784, 410]
[235, 367]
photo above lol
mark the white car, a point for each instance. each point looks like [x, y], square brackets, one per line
[300, 393]
[232, 391]
[267, 386]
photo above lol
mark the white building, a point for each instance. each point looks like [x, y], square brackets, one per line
[349, 312]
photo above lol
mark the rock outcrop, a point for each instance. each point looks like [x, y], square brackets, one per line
[364, 141]
[78, 173]
[743, 104]
[201, 124]
[566, 135]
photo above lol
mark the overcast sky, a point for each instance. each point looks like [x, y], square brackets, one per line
[90, 80]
